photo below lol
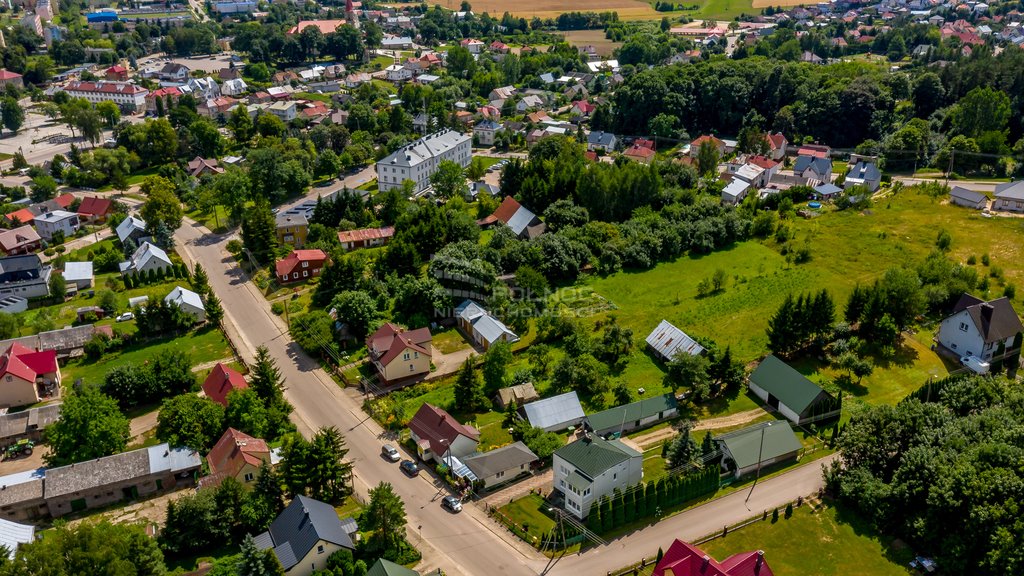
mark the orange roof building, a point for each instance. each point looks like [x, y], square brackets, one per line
[237, 455]
[222, 381]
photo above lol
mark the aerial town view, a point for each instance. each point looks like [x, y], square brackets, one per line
[489, 288]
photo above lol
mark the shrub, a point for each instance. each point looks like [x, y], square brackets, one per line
[277, 308]
[971, 260]
[789, 510]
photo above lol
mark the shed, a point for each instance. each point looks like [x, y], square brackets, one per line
[968, 198]
[79, 273]
[13, 534]
[555, 413]
[520, 394]
[791, 393]
[633, 416]
[768, 443]
[667, 341]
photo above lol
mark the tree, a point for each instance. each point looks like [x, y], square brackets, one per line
[357, 309]
[12, 115]
[58, 288]
[109, 111]
[468, 394]
[190, 421]
[205, 138]
[214, 310]
[689, 370]
[265, 501]
[982, 110]
[316, 468]
[90, 426]
[200, 280]
[247, 413]
[384, 517]
[44, 187]
[259, 231]
[449, 180]
[682, 449]
[193, 524]
[460, 63]
[707, 158]
[162, 205]
[240, 124]
[97, 548]
[266, 378]
[497, 357]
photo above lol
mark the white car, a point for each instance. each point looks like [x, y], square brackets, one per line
[975, 364]
[125, 317]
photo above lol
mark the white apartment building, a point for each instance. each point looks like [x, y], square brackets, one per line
[590, 468]
[418, 161]
[127, 96]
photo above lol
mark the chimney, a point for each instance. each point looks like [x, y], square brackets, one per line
[986, 312]
[759, 562]
[705, 563]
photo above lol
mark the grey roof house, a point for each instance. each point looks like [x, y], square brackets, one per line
[555, 413]
[864, 174]
[980, 328]
[743, 451]
[131, 228]
[602, 141]
[813, 170]
[968, 198]
[791, 393]
[485, 330]
[1009, 197]
[304, 535]
[13, 535]
[666, 341]
[633, 416]
[591, 468]
[502, 465]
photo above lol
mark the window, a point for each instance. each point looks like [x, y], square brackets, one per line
[249, 476]
[305, 264]
[412, 368]
[320, 549]
[305, 273]
[406, 357]
[952, 345]
[963, 326]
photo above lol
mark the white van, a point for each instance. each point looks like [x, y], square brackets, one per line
[975, 364]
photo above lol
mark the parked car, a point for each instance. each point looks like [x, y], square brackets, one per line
[125, 317]
[409, 467]
[923, 565]
[389, 452]
[452, 503]
[975, 364]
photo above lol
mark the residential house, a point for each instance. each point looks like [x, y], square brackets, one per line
[523, 223]
[11, 78]
[188, 302]
[813, 170]
[791, 393]
[519, 394]
[501, 94]
[485, 131]
[57, 223]
[168, 95]
[95, 210]
[700, 140]
[667, 342]
[980, 328]
[735, 191]
[199, 166]
[501, 465]
[591, 468]
[683, 559]
[582, 108]
[305, 535]
[397, 73]
[21, 240]
[863, 174]
[777, 144]
[761, 445]
[234, 87]
[174, 72]
[472, 44]
[24, 276]
[131, 229]
[28, 375]
[130, 475]
[482, 328]
[753, 174]
[383, 567]
[641, 154]
[814, 150]
[365, 237]
[554, 414]
[602, 141]
[529, 102]
[475, 188]
[145, 258]
[292, 229]
[633, 416]
[221, 381]
[419, 160]
[399, 355]
[116, 73]
[441, 438]
[499, 47]
[203, 89]
[285, 110]
[216, 107]
[1009, 197]
[396, 43]
[79, 274]
[826, 192]
[236, 455]
[300, 265]
[958, 195]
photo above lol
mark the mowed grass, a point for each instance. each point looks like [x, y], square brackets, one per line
[627, 9]
[529, 511]
[205, 345]
[595, 38]
[824, 542]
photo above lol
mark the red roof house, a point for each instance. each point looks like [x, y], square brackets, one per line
[65, 200]
[117, 73]
[583, 108]
[436, 434]
[776, 144]
[23, 216]
[221, 382]
[696, 144]
[365, 237]
[400, 355]
[300, 265]
[683, 559]
[236, 455]
[639, 153]
[814, 150]
[95, 209]
[8, 77]
[22, 370]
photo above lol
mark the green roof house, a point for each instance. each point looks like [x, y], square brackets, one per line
[790, 393]
[768, 442]
[591, 468]
[384, 567]
[633, 416]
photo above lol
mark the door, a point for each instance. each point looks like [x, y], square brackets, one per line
[773, 401]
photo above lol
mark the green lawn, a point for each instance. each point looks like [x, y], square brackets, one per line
[215, 222]
[826, 542]
[493, 433]
[529, 511]
[205, 345]
[449, 341]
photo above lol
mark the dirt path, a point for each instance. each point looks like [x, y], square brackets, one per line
[648, 440]
[212, 363]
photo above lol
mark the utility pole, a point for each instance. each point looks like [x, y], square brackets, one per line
[760, 452]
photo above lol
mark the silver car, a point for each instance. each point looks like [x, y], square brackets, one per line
[389, 452]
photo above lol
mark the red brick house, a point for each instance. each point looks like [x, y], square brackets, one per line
[683, 559]
[117, 73]
[221, 382]
[94, 209]
[300, 265]
[236, 455]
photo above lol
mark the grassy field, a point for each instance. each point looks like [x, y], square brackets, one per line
[205, 345]
[841, 542]
[594, 38]
[627, 9]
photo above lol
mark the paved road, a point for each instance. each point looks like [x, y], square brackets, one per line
[352, 181]
[968, 184]
[467, 544]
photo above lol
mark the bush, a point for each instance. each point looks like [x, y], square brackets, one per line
[971, 260]
[277, 308]
[235, 247]
[789, 510]
[49, 252]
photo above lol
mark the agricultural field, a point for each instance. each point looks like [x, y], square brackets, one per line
[841, 543]
[627, 9]
[594, 38]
